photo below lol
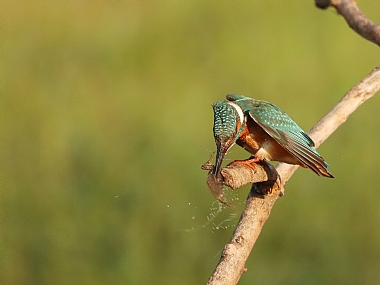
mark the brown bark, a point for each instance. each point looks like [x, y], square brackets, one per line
[354, 18]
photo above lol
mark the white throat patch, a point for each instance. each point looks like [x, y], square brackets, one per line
[238, 110]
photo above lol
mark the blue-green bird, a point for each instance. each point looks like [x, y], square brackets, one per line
[265, 131]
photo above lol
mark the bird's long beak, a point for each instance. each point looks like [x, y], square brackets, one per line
[220, 152]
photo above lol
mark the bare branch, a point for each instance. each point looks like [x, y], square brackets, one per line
[358, 94]
[238, 175]
[258, 207]
[236, 252]
[354, 18]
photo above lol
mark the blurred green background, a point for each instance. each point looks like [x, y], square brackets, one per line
[107, 118]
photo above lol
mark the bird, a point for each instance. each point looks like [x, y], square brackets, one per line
[265, 131]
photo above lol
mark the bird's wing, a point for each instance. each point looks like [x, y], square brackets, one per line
[287, 133]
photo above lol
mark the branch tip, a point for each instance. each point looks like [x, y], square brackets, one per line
[322, 4]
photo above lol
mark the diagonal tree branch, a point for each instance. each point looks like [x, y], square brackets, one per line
[260, 203]
[259, 206]
[354, 18]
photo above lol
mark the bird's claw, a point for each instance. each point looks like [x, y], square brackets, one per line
[248, 162]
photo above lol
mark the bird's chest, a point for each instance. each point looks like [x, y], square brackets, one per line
[253, 138]
[256, 141]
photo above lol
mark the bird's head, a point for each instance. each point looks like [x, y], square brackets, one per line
[228, 125]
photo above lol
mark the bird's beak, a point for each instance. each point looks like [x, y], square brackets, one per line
[220, 152]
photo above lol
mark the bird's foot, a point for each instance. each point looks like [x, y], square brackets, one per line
[248, 162]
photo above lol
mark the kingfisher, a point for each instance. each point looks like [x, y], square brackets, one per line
[265, 131]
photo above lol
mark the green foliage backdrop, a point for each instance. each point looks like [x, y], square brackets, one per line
[106, 119]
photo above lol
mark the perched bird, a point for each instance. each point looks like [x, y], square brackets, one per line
[265, 131]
